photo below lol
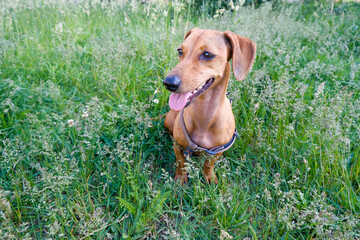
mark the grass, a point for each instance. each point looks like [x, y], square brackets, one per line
[83, 154]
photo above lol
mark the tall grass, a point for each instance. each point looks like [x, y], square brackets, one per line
[83, 154]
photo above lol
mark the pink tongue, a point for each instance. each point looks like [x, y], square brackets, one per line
[178, 101]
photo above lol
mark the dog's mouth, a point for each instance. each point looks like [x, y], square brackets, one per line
[178, 101]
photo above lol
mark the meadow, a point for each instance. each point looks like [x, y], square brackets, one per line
[84, 154]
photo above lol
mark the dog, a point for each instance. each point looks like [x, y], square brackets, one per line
[201, 119]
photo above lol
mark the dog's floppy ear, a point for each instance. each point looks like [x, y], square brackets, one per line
[242, 52]
[189, 32]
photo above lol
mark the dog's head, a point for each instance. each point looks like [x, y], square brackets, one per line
[204, 55]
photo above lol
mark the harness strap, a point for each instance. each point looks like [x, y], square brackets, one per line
[193, 147]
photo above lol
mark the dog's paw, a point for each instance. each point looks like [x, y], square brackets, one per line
[211, 178]
[181, 177]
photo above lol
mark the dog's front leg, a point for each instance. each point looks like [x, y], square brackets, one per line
[180, 165]
[208, 168]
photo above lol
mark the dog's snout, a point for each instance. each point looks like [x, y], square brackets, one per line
[172, 83]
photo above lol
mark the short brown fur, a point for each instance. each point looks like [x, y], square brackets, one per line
[209, 118]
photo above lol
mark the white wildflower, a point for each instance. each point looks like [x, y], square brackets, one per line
[277, 176]
[150, 184]
[85, 115]
[267, 194]
[156, 101]
[4, 203]
[58, 28]
[231, 4]
[346, 140]
[256, 107]
[219, 12]
[127, 20]
[54, 228]
[8, 104]
[174, 234]
[225, 235]
[320, 89]
[70, 122]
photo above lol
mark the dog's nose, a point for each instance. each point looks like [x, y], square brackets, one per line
[172, 83]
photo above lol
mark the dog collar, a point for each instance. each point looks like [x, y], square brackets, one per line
[193, 147]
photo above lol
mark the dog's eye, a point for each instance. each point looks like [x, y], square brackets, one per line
[180, 52]
[208, 55]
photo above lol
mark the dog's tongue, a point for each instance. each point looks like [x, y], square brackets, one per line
[178, 101]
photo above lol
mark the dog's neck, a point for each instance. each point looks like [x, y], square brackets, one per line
[206, 107]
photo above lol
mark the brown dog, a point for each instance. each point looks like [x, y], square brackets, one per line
[199, 82]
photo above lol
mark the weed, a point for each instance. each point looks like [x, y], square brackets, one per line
[84, 155]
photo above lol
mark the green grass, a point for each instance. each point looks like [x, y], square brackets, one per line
[83, 154]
